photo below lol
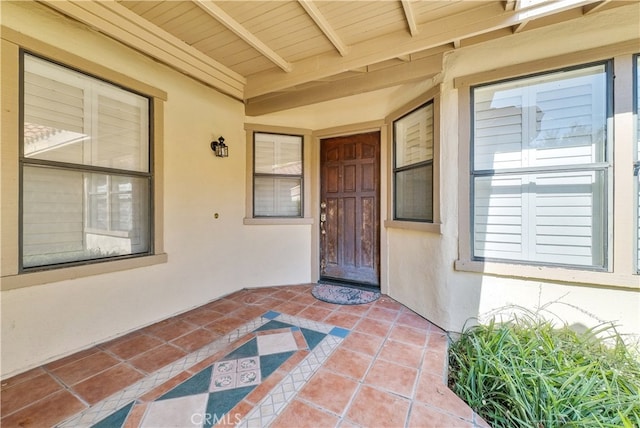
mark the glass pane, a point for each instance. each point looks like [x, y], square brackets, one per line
[278, 154]
[71, 216]
[555, 119]
[73, 118]
[414, 194]
[277, 197]
[554, 218]
[414, 137]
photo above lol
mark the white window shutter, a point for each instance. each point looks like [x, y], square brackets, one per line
[552, 215]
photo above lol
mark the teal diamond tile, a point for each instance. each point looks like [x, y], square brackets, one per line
[115, 419]
[274, 325]
[249, 349]
[221, 402]
[197, 384]
[312, 337]
[270, 363]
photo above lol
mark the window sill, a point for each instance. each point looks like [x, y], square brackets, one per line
[548, 273]
[276, 221]
[414, 225]
[54, 275]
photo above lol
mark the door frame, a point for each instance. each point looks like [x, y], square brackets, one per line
[343, 131]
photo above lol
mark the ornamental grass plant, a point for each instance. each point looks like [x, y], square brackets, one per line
[528, 373]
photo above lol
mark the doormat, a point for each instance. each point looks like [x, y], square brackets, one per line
[343, 295]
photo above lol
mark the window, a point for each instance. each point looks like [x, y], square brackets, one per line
[85, 168]
[636, 168]
[277, 175]
[413, 165]
[540, 168]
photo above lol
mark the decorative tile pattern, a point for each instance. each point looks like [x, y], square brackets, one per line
[259, 348]
[122, 398]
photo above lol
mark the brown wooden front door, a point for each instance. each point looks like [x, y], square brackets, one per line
[349, 208]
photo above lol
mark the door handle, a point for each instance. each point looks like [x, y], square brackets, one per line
[323, 217]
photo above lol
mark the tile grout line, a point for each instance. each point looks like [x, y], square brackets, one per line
[425, 349]
[361, 382]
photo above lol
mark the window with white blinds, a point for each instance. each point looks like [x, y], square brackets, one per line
[413, 165]
[277, 175]
[540, 168]
[85, 162]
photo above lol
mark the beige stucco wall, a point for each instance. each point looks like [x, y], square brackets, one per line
[207, 257]
[419, 266]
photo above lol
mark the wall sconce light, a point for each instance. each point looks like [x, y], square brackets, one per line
[220, 148]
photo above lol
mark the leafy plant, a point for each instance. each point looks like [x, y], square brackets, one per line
[527, 373]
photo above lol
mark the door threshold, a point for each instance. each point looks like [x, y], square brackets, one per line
[350, 284]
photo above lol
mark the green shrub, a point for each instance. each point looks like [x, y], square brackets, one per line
[526, 373]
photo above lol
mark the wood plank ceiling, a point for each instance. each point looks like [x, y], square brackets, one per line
[279, 54]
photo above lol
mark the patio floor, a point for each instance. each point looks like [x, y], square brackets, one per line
[271, 356]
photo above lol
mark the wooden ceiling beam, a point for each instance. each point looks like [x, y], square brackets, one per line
[239, 30]
[382, 48]
[421, 69]
[486, 17]
[510, 5]
[594, 7]
[520, 27]
[324, 26]
[125, 26]
[410, 17]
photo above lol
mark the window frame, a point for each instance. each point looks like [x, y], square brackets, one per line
[307, 150]
[636, 152]
[605, 165]
[621, 273]
[12, 278]
[24, 161]
[276, 176]
[413, 166]
[432, 95]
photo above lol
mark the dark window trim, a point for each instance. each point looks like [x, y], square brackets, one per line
[636, 164]
[23, 161]
[412, 166]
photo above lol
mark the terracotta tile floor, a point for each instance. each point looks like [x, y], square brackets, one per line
[378, 365]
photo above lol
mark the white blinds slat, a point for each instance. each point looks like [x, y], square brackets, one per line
[277, 196]
[122, 132]
[498, 217]
[414, 137]
[74, 118]
[278, 154]
[414, 193]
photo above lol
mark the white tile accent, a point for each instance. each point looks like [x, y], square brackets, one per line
[185, 412]
[276, 343]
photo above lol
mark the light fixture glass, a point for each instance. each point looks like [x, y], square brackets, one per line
[220, 148]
